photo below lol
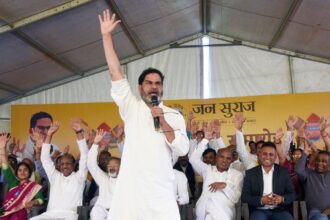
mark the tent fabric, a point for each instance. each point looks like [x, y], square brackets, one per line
[244, 71]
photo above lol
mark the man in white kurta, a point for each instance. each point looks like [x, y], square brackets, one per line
[181, 187]
[216, 203]
[105, 181]
[145, 182]
[144, 189]
[65, 191]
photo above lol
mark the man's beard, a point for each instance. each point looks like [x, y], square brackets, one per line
[113, 175]
[147, 99]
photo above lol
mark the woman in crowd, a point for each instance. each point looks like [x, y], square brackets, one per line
[23, 194]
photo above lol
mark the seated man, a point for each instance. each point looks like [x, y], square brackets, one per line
[209, 156]
[184, 166]
[221, 184]
[66, 186]
[105, 180]
[268, 188]
[317, 185]
[180, 187]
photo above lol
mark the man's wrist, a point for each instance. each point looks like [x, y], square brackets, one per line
[277, 142]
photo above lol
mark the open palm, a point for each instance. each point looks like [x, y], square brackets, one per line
[107, 22]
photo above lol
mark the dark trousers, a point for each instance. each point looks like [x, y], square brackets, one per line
[260, 214]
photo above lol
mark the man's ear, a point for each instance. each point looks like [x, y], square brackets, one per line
[30, 130]
[140, 88]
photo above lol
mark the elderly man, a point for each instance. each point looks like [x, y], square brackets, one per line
[221, 184]
[144, 188]
[66, 185]
[105, 180]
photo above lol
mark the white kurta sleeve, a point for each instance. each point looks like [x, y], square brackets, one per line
[242, 152]
[196, 158]
[47, 162]
[233, 187]
[121, 147]
[217, 144]
[287, 142]
[92, 165]
[180, 144]
[183, 194]
[122, 95]
[83, 148]
[192, 146]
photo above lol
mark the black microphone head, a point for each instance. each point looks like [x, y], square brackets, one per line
[154, 100]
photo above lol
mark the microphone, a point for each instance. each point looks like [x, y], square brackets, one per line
[154, 102]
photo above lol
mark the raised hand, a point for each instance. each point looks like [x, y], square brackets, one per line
[193, 128]
[99, 136]
[191, 116]
[208, 132]
[323, 126]
[4, 138]
[290, 123]
[38, 138]
[216, 128]
[55, 154]
[107, 22]
[278, 135]
[76, 126]
[53, 128]
[239, 121]
[66, 149]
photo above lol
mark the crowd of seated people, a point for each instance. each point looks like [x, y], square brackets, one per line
[212, 177]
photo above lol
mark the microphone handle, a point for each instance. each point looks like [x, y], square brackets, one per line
[156, 123]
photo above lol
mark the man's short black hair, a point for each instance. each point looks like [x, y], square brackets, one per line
[37, 116]
[149, 71]
[324, 152]
[260, 142]
[209, 150]
[268, 144]
[26, 165]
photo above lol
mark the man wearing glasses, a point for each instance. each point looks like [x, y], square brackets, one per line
[40, 122]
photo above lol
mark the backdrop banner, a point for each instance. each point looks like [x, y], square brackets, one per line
[264, 114]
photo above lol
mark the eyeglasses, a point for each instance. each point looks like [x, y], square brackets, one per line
[40, 127]
[296, 156]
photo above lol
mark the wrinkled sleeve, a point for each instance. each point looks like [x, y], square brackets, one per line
[233, 189]
[196, 158]
[92, 165]
[217, 144]
[40, 169]
[47, 162]
[83, 148]
[242, 152]
[180, 144]
[183, 195]
[123, 97]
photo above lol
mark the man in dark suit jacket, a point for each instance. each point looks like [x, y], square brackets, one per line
[267, 188]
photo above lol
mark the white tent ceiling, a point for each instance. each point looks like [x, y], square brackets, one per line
[45, 43]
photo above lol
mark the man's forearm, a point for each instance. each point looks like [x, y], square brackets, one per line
[112, 58]
[168, 131]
